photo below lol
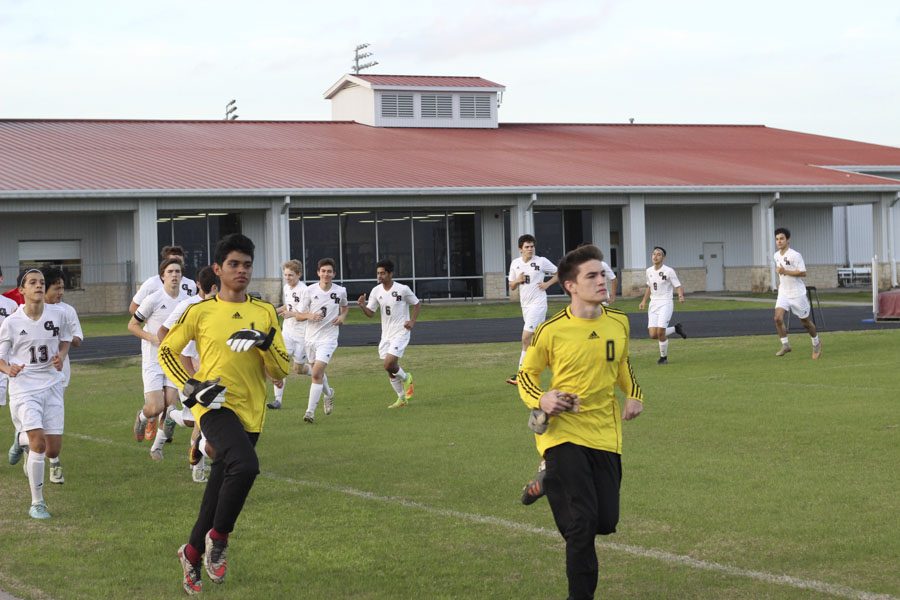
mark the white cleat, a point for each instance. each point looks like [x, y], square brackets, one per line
[329, 402]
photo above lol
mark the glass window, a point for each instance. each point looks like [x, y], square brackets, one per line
[164, 231]
[430, 236]
[548, 230]
[190, 234]
[395, 241]
[320, 230]
[577, 228]
[65, 255]
[220, 225]
[358, 239]
[465, 243]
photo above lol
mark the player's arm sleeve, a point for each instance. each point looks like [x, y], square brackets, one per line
[411, 297]
[344, 298]
[65, 328]
[626, 380]
[175, 315]
[75, 326]
[5, 343]
[372, 304]
[800, 266]
[676, 283]
[276, 358]
[529, 376]
[610, 274]
[142, 292]
[512, 274]
[549, 267]
[145, 310]
[177, 338]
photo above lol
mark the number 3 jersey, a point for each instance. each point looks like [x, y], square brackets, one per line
[326, 303]
[31, 343]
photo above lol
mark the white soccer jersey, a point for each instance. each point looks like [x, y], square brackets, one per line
[7, 307]
[75, 332]
[153, 312]
[326, 303]
[535, 271]
[293, 298]
[662, 282]
[34, 344]
[394, 304]
[191, 348]
[607, 271]
[788, 285]
[154, 284]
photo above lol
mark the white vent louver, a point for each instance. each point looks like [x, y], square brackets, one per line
[475, 107]
[437, 106]
[397, 105]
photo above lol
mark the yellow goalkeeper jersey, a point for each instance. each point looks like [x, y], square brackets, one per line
[588, 357]
[210, 323]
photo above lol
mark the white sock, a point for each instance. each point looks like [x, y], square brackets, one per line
[23, 439]
[325, 387]
[143, 418]
[279, 392]
[521, 359]
[315, 393]
[397, 384]
[664, 348]
[784, 341]
[203, 450]
[54, 461]
[815, 340]
[669, 331]
[36, 476]
[400, 374]
[159, 441]
[178, 417]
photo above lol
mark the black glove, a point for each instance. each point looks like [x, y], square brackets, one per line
[244, 339]
[209, 393]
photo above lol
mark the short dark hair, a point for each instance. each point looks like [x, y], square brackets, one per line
[386, 264]
[20, 280]
[52, 275]
[172, 260]
[206, 279]
[785, 231]
[233, 242]
[168, 251]
[326, 262]
[661, 249]
[526, 238]
[572, 261]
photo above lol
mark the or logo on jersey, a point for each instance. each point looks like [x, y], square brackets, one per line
[48, 325]
[3, 312]
[662, 276]
[593, 336]
[787, 262]
[296, 298]
[535, 267]
[186, 288]
[237, 315]
[334, 297]
[396, 296]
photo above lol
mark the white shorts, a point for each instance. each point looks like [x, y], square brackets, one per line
[321, 351]
[799, 305]
[39, 410]
[296, 348]
[394, 346]
[659, 313]
[533, 316]
[154, 378]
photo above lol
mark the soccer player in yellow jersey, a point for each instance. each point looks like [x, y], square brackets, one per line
[239, 343]
[585, 347]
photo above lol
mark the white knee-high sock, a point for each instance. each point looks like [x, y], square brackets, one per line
[325, 386]
[36, 476]
[400, 374]
[160, 440]
[669, 331]
[279, 391]
[315, 393]
[397, 384]
[664, 348]
[23, 439]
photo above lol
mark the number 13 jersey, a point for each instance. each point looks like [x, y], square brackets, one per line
[34, 344]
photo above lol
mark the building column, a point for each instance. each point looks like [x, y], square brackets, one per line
[146, 242]
[882, 240]
[762, 270]
[521, 219]
[276, 250]
[600, 229]
[634, 247]
[493, 256]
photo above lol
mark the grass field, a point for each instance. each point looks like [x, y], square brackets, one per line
[746, 477]
[104, 325]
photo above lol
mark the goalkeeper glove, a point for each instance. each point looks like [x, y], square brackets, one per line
[209, 393]
[538, 421]
[244, 339]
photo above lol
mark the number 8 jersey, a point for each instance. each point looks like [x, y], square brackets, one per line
[34, 344]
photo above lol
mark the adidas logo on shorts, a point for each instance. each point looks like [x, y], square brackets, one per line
[23, 332]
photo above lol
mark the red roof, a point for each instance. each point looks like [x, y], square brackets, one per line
[94, 156]
[428, 81]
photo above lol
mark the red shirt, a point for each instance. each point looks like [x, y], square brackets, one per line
[15, 294]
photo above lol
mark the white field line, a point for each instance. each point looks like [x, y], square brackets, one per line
[840, 591]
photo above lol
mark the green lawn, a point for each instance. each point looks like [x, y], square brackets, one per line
[104, 325]
[744, 468]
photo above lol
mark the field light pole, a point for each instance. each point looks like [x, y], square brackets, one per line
[231, 111]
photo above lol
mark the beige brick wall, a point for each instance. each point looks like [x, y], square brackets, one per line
[269, 289]
[821, 276]
[693, 279]
[634, 282]
[495, 286]
[100, 298]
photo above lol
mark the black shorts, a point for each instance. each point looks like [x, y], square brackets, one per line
[583, 483]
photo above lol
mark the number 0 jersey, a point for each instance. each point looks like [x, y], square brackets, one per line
[587, 357]
[24, 341]
[327, 303]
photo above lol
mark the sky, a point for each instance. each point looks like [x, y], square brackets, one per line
[825, 67]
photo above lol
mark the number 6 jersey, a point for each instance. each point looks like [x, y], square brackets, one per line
[34, 344]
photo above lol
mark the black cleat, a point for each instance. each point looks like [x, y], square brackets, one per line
[679, 329]
[662, 360]
[534, 489]
[512, 380]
